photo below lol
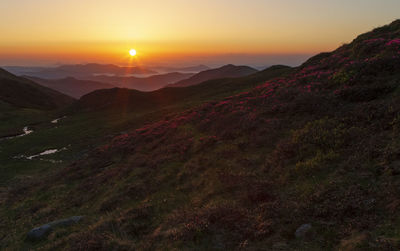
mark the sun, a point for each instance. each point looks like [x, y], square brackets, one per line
[132, 52]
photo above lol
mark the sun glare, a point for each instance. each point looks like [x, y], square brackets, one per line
[132, 52]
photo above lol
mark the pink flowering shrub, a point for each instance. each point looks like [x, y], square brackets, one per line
[394, 42]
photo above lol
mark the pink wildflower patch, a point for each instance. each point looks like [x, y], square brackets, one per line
[374, 41]
[393, 42]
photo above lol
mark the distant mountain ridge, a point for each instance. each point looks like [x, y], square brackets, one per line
[196, 68]
[78, 87]
[79, 70]
[149, 83]
[226, 71]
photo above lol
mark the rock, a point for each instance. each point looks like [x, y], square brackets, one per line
[41, 232]
[303, 230]
[66, 222]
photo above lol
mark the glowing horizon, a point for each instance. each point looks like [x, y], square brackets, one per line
[103, 31]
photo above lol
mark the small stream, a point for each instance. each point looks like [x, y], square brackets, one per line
[55, 121]
[25, 130]
[46, 152]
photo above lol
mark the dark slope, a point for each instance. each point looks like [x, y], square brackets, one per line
[71, 86]
[319, 146]
[150, 83]
[226, 71]
[21, 92]
[118, 100]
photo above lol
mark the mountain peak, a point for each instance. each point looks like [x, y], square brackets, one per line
[228, 66]
[226, 71]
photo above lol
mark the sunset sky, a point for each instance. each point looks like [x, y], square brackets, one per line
[45, 32]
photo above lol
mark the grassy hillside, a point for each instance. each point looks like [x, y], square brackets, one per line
[319, 146]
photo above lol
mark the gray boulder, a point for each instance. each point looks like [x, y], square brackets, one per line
[303, 230]
[66, 222]
[41, 232]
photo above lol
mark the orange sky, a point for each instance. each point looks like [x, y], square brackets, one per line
[55, 31]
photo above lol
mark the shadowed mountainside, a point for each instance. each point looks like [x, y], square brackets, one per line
[24, 93]
[317, 148]
[71, 86]
[226, 71]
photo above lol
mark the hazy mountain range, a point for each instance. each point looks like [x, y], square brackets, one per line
[150, 83]
[79, 71]
[93, 69]
[77, 87]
